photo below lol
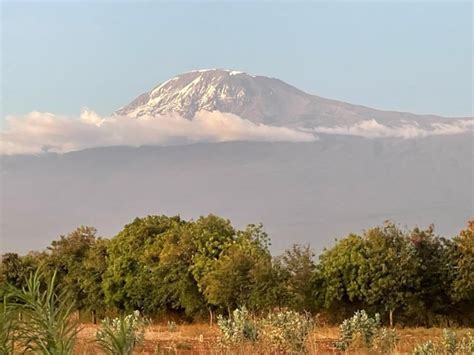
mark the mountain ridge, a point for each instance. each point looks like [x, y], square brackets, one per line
[259, 99]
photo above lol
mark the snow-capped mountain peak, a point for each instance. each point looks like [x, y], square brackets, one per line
[256, 98]
[259, 99]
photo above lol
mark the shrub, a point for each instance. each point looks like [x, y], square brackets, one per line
[119, 336]
[286, 330]
[172, 327]
[450, 341]
[360, 328]
[46, 325]
[240, 327]
[7, 328]
[386, 340]
[426, 348]
[466, 345]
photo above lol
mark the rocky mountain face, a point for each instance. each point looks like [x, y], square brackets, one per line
[257, 98]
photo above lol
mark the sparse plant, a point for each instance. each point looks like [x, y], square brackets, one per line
[360, 329]
[466, 345]
[47, 325]
[450, 341]
[386, 340]
[119, 336]
[7, 328]
[426, 348]
[286, 330]
[239, 327]
[171, 326]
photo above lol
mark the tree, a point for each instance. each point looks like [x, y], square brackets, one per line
[212, 235]
[132, 281]
[15, 269]
[233, 278]
[178, 287]
[297, 266]
[94, 266]
[377, 270]
[432, 295]
[461, 262]
[66, 257]
[389, 273]
[463, 283]
[335, 283]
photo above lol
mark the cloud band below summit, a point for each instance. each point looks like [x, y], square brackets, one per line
[39, 132]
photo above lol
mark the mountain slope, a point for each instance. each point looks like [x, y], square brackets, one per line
[256, 98]
[302, 192]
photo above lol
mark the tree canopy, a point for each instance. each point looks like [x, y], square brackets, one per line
[194, 268]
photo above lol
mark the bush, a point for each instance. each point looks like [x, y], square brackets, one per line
[240, 327]
[171, 326]
[287, 330]
[358, 330]
[466, 345]
[47, 325]
[7, 328]
[426, 348]
[450, 341]
[119, 336]
[386, 340]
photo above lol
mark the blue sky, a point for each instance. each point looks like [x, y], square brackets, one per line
[62, 57]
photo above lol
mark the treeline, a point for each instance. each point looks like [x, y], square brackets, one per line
[166, 266]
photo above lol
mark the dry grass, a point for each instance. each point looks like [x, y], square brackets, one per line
[203, 339]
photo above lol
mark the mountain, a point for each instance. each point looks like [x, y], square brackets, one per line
[302, 192]
[312, 191]
[257, 98]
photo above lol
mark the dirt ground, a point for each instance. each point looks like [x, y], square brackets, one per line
[203, 339]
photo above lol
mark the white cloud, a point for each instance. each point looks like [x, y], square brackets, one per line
[373, 129]
[38, 132]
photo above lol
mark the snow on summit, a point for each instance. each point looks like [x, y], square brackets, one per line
[264, 100]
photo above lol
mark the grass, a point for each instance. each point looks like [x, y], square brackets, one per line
[203, 339]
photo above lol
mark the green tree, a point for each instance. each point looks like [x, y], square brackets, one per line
[233, 278]
[335, 283]
[463, 283]
[94, 266]
[132, 279]
[178, 287]
[432, 294]
[66, 257]
[389, 273]
[297, 266]
[15, 269]
[461, 261]
[377, 270]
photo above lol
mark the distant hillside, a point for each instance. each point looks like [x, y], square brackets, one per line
[302, 192]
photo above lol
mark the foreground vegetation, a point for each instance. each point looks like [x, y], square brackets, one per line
[163, 268]
[196, 270]
[39, 320]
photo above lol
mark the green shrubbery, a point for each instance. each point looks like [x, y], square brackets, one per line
[7, 328]
[162, 265]
[451, 343]
[38, 318]
[362, 331]
[286, 331]
[202, 267]
[119, 336]
[426, 348]
[239, 327]
[283, 331]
